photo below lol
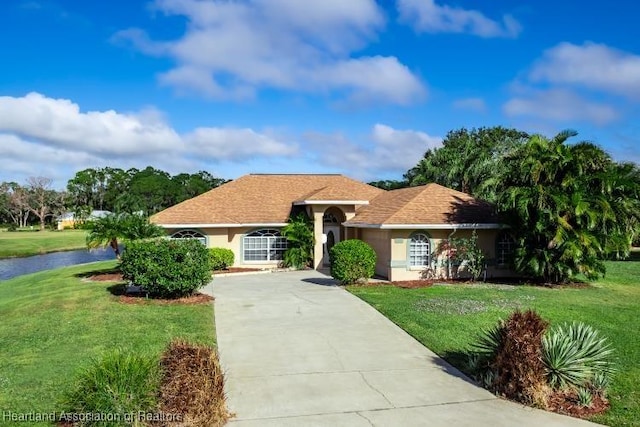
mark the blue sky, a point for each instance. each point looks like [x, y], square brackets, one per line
[359, 87]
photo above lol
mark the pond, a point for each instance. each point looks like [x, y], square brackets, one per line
[12, 267]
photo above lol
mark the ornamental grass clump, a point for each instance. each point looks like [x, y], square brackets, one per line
[118, 384]
[512, 353]
[193, 385]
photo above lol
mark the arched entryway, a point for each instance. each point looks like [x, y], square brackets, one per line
[332, 230]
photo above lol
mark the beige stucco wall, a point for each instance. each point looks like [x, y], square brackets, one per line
[316, 212]
[231, 238]
[392, 257]
[379, 241]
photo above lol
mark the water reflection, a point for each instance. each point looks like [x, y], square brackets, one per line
[13, 267]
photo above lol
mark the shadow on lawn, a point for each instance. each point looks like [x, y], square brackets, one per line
[454, 364]
[99, 271]
[118, 289]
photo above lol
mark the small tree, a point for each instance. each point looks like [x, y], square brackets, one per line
[41, 200]
[112, 229]
[299, 235]
[351, 261]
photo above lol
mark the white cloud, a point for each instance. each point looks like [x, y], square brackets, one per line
[389, 151]
[22, 158]
[591, 65]
[231, 50]
[41, 135]
[61, 123]
[472, 104]
[430, 17]
[235, 144]
[559, 105]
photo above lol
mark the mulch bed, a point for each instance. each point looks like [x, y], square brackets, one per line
[236, 270]
[117, 277]
[567, 404]
[106, 277]
[414, 284]
[141, 300]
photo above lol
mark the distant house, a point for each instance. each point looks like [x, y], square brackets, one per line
[404, 226]
[68, 219]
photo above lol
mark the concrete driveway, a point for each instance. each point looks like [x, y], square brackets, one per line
[299, 351]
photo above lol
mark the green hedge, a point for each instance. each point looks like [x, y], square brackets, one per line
[221, 258]
[351, 261]
[167, 268]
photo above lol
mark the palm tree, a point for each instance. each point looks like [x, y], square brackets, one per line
[114, 228]
[570, 207]
[299, 235]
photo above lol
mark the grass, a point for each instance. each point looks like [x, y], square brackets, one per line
[447, 319]
[21, 244]
[53, 323]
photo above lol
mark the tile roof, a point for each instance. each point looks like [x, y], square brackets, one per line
[263, 199]
[426, 204]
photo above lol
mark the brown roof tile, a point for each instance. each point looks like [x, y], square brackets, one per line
[427, 204]
[260, 199]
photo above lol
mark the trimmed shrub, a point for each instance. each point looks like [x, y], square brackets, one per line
[167, 268]
[576, 355]
[193, 384]
[120, 383]
[351, 261]
[221, 258]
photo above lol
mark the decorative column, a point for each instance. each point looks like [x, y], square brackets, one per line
[318, 251]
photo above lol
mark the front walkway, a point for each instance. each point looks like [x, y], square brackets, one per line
[298, 351]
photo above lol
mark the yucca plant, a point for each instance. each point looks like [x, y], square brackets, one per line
[489, 340]
[573, 354]
[585, 398]
[600, 383]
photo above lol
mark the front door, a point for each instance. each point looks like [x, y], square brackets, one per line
[333, 236]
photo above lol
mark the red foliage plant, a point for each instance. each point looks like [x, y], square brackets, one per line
[518, 367]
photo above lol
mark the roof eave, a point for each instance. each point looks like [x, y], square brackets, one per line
[465, 226]
[234, 225]
[330, 202]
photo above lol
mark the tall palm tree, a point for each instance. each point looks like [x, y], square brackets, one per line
[570, 206]
[112, 229]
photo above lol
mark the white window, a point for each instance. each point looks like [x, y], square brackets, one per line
[264, 245]
[505, 247]
[419, 250]
[190, 234]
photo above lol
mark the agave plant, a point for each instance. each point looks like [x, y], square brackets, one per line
[574, 355]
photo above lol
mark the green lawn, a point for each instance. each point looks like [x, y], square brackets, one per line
[26, 243]
[447, 319]
[52, 323]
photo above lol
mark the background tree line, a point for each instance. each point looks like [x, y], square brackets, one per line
[148, 191]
